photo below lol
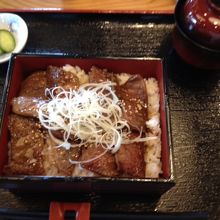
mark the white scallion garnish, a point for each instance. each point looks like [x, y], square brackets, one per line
[91, 114]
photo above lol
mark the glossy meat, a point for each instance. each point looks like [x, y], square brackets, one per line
[130, 160]
[97, 75]
[26, 106]
[104, 166]
[34, 85]
[56, 76]
[57, 160]
[133, 96]
[32, 152]
[32, 93]
[26, 146]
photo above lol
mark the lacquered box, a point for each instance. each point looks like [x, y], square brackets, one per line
[23, 64]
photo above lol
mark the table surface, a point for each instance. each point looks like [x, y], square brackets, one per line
[193, 97]
[157, 6]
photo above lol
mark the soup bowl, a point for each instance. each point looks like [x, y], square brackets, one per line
[196, 35]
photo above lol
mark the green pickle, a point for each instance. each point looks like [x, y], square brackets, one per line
[1, 51]
[7, 41]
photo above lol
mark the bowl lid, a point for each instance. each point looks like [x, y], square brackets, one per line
[201, 21]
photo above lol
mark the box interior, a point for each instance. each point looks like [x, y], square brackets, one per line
[22, 65]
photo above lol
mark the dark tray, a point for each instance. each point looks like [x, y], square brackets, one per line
[193, 98]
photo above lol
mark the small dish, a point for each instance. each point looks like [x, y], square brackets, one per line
[17, 26]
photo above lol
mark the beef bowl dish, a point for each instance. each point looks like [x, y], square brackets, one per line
[85, 125]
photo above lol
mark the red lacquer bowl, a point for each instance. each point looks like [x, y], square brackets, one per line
[196, 38]
[202, 21]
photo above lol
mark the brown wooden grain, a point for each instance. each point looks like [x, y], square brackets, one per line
[94, 5]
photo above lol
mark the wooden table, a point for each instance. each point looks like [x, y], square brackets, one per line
[116, 6]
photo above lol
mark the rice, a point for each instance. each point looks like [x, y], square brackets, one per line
[80, 171]
[80, 73]
[122, 78]
[153, 148]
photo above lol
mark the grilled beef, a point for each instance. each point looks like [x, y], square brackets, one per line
[25, 148]
[97, 75]
[26, 106]
[130, 160]
[56, 76]
[57, 159]
[104, 165]
[133, 96]
[34, 85]
[32, 151]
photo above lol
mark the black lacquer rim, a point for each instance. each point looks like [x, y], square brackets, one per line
[70, 179]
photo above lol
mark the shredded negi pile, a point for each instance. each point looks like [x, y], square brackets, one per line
[65, 122]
